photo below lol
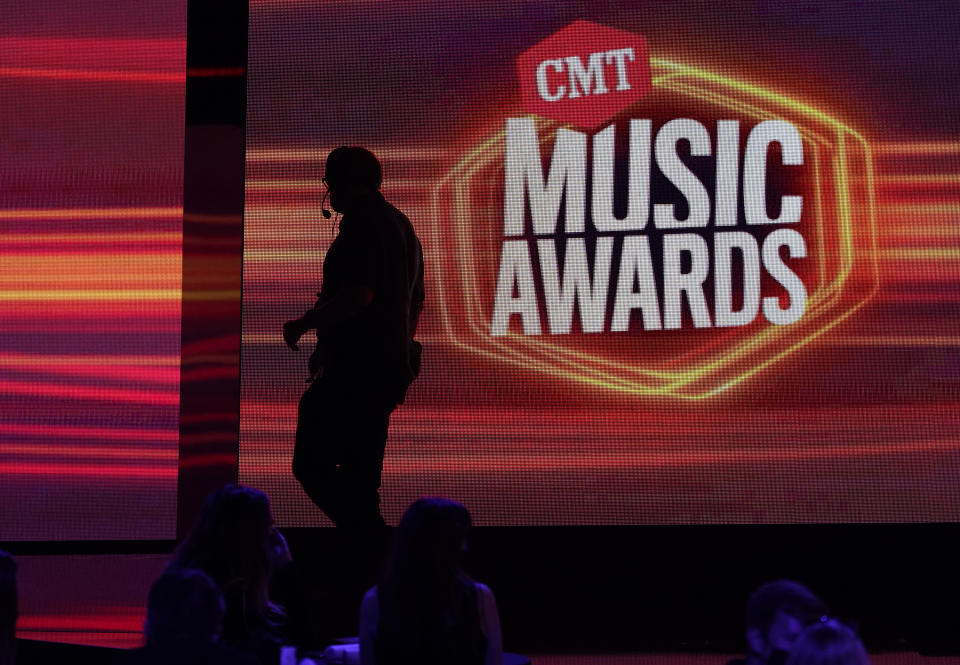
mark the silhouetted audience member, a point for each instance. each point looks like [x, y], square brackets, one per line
[427, 610]
[828, 643]
[235, 543]
[8, 609]
[777, 612]
[184, 619]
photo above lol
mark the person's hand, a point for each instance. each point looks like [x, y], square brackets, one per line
[292, 332]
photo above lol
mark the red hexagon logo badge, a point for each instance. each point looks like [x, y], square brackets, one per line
[584, 74]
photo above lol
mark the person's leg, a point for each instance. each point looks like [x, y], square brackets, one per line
[338, 457]
[363, 464]
[365, 533]
[319, 448]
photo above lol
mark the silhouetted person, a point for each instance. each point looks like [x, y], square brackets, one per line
[8, 609]
[427, 610]
[185, 613]
[365, 317]
[235, 543]
[777, 612]
[828, 643]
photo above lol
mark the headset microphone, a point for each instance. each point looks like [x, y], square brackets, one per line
[323, 208]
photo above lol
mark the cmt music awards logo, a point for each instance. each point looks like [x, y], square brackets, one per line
[653, 227]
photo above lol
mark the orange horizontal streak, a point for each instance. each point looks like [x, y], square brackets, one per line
[896, 340]
[115, 260]
[93, 75]
[91, 213]
[918, 148]
[105, 295]
[921, 180]
[308, 186]
[77, 238]
[911, 229]
[39, 314]
[938, 209]
[320, 154]
[922, 254]
[90, 282]
[96, 258]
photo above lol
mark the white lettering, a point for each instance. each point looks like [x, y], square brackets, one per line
[638, 191]
[524, 175]
[543, 86]
[676, 283]
[620, 56]
[723, 246]
[515, 269]
[728, 172]
[591, 76]
[755, 171]
[683, 179]
[636, 269]
[787, 278]
[590, 295]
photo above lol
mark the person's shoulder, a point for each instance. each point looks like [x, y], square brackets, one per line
[485, 595]
[369, 614]
[396, 216]
[370, 605]
[482, 588]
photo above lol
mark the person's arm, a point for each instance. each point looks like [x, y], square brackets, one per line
[369, 618]
[329, 313]
[416, 307]
[490, 624]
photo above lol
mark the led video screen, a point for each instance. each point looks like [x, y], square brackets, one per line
[686, 263]
[91, 175]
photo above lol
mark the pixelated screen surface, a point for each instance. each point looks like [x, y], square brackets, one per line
[686, 263]
[91, 175]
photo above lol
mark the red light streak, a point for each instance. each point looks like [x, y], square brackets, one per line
[139, 435]
[97, 75]
[112, 471]
[61, 390]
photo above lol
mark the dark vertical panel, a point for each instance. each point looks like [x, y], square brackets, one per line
[212, 249]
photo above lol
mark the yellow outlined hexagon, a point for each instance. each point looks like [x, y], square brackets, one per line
[827, 306]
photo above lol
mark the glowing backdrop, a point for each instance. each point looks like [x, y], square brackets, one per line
[537, 404]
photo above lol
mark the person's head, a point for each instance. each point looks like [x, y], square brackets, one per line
[828, 643]
[351, 174]
[184, 605]
[231, 542]
[777, 613]
[430, 542]
[427, 604]
[8, 607]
